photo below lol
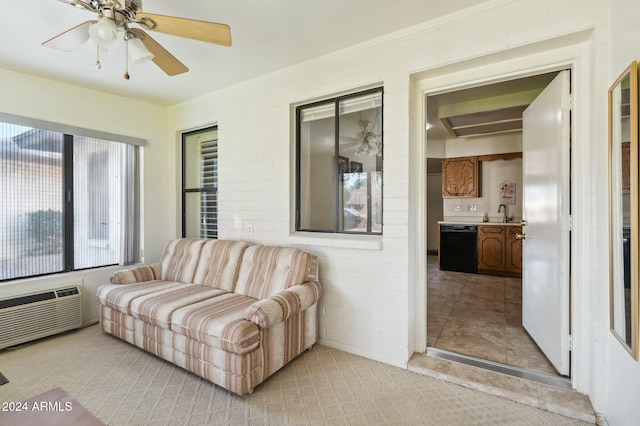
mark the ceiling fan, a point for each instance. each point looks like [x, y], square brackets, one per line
[368, 142]
[117, 16]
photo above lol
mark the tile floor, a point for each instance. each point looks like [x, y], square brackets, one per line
[480, 316]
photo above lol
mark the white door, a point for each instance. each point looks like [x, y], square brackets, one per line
[545, 249]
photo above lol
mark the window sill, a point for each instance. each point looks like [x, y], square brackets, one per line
[363, 242]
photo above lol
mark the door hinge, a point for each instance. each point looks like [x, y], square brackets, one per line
[569, 342]
[566, 223]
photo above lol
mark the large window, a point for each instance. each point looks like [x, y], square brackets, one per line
[200, 183]
[339, 164]
[68, 202]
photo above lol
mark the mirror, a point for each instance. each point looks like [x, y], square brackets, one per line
[623, 202]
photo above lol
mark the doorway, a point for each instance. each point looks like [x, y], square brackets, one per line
[480, 315]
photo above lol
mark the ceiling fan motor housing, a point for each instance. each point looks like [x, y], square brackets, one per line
[131, 8]
[119, 10]
[114, 9]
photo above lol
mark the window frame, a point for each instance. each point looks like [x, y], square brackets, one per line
[202, 189]
[69, 133]
[336, 175]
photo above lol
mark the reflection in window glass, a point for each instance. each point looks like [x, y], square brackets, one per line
[339, 164]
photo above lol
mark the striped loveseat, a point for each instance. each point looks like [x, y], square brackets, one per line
[227, 311]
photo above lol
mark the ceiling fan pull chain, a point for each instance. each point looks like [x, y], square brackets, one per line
[126, 59]
[98, 64]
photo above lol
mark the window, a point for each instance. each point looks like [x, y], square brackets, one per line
[200, 183]
[68, 202]
[339, 164]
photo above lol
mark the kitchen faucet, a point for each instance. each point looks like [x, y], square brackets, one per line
[505, 219]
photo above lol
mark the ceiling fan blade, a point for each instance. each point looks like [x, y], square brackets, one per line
[161, 56]
[349, 140]
[209, 32]
[71, 39]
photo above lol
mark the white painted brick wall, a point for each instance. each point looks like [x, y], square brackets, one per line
[365, 307]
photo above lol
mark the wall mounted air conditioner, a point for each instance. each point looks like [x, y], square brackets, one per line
[33, 316]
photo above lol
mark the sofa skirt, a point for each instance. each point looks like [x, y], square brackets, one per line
[239, 374]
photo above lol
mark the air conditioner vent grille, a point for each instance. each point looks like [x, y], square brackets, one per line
[25, 300]
[34, 316]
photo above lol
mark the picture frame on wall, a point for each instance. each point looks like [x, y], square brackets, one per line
[356, 167]
[343, 164]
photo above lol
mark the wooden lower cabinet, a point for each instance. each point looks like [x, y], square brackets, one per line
[491, 248]
[499, 252]
[514, 250]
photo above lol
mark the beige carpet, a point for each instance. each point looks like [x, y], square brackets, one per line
[122, 385]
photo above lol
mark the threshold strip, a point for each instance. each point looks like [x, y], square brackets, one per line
[522, 373]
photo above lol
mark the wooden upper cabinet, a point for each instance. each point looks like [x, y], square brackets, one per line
[460, 177]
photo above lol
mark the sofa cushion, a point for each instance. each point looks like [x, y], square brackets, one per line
[119, 297]
[219, 322]
[137, 274]
[219, 263]
[158, 307]
[180, 258]
[267, 270]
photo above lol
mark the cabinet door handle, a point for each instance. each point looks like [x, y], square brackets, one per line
[521, 236]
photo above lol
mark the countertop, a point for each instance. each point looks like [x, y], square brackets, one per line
[474, 221]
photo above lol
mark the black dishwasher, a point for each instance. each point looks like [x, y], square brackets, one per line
[459, 248]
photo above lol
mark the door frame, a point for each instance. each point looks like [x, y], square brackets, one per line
[570, 52]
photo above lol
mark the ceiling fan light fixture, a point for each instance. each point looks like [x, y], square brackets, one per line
[105, 33]
[90, 46]
[366, 149]
[138, 53]
[368, 146]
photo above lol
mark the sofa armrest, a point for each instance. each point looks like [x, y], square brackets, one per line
[279, 307]
[136, 274]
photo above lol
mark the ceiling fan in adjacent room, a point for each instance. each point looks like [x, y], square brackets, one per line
[367, 141]
[115, 18]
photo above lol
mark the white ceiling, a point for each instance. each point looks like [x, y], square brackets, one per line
[266, 35]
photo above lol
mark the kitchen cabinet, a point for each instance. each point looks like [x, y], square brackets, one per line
[491, 248]
[499, 251]
[514, 250]
[460, 177]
